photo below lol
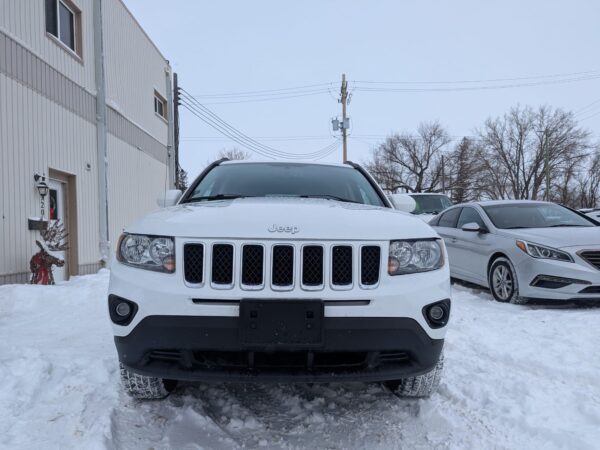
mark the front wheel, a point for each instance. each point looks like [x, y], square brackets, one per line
[420, 386]
[143, 387]
[503, 282]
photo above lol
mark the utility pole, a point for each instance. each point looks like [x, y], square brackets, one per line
[176, 129]
[547, 158]
[344, 101]
[443, 176]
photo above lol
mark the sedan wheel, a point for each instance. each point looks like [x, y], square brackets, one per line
[503, 281]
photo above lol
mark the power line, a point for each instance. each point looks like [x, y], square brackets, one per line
[271, 98]
[478, 88]
[203, 113]
[493, 80]
[223, 127]
[265, 91]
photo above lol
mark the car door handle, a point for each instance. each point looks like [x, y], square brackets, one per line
[453, 240]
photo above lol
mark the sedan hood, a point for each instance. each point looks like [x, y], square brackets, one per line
[282, 218]
[557, 237]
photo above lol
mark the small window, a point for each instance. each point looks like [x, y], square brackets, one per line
[449, 218]
[160, 105]
[63, 21]
[469, 215]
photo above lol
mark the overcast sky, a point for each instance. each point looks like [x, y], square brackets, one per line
[224, 47]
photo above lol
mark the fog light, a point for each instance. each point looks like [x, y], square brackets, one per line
[123, 309]
[436, 312]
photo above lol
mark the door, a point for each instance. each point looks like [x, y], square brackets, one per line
[445, 226]
[472, 248]
[56, 211]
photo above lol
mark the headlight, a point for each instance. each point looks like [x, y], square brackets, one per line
[414, 256]
[147, 252]
[542, 252]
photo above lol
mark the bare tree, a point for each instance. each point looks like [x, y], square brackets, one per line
[463, 167]
[234, 154]
[411, 163]
[518, 148]
[588, 183]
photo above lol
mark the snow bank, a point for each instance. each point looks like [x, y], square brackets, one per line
[517, 377]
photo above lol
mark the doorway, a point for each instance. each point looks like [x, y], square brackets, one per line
[56, 212]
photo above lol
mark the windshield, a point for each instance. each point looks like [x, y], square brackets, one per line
[534, 215]
[430, 204]
[285, 180]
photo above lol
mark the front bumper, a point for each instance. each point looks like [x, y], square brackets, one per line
[209, 349]
[581, 281]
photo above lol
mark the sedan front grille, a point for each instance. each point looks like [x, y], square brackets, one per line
[592, 257]
[256, 266]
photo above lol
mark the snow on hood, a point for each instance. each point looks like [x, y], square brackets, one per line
[558, 236]
[287, 218]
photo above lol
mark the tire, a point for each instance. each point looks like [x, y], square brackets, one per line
[420, 386]
[503, 282]
[143, 387]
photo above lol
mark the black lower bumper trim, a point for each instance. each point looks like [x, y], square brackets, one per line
[209, 349]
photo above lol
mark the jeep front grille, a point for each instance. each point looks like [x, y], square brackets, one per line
[592, 257]
[252, 265]
[341, 265]
[282, 266]
[222, 264]
[312, 265]
[370, 262]
[193, 263]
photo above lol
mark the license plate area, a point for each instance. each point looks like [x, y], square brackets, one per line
[281, 323]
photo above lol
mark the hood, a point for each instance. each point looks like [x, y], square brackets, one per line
[557, 237]
[282, 218]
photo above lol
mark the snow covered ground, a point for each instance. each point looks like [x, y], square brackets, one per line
[516, 377]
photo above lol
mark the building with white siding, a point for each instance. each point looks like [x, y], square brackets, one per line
[84, 101]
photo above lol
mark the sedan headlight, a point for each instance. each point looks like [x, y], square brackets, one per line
[413, 256]
[147, 252]
[542, 252]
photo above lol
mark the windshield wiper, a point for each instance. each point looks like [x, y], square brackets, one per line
[329, 197]
[513, 228]
[208, 198]
[566, 225]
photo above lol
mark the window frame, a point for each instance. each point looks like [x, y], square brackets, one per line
[481, 223]
[76, 52]
[443, 213]
[158, 98]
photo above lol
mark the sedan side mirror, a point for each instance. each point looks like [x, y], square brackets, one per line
[168, 198]
[472, 227]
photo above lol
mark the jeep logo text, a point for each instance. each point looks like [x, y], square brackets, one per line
[283, 229]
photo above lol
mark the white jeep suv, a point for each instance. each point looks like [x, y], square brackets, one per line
[280, 272]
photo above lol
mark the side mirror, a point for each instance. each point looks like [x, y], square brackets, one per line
[402, 202]
[472, 227]
[168, 198]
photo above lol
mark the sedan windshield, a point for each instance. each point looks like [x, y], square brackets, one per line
[430, 204]
[285, 180]
[534, 215]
